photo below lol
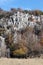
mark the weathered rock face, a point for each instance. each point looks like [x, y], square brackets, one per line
[2, 47]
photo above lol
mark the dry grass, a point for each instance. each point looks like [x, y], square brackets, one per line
[35, 61]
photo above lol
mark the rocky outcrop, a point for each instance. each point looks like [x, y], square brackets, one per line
[22, 33]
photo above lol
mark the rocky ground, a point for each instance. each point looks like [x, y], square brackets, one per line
[35, 61]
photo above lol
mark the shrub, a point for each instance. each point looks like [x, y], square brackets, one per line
[20, 51]
[41, 41]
